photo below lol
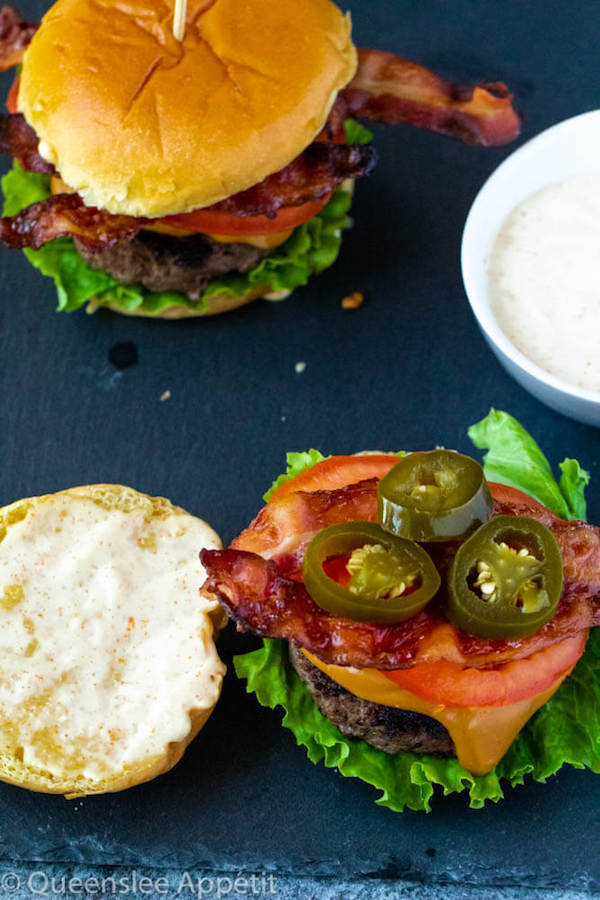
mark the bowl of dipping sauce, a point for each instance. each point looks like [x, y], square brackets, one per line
[531, 265]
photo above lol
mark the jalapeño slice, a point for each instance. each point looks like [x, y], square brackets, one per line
[391, 579]
[435, 495]
[506, 579]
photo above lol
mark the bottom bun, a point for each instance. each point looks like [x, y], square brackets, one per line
[384, 727]
[220, 303]
[107, 656]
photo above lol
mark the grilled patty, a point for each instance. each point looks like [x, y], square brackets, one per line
[163, 262]
[384, 727]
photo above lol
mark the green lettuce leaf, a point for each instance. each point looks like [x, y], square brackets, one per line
[312, 247]
[356, 133]
[296, 463]
[565, 731]
[573, 482]
[515, 459]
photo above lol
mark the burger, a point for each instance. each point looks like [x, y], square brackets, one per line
[186, 176]
[424, 625]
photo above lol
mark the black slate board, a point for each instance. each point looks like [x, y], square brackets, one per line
[409, 369]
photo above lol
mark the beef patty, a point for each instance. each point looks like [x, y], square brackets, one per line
[163, 262]
[384, 727]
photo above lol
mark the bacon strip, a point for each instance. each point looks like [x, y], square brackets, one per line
[283, 529]
[390, 89]
[66, 215]
[261, 601]
[258, 596]
[386, 88]
[311, 176]
[15, 35]
[18, 139]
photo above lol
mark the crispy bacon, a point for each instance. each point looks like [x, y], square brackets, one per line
[66, 215]
[283, 529]
[15, 35]
[311, 176]
[18, 139]
[260, 598]
[390, 89]
[386, 88]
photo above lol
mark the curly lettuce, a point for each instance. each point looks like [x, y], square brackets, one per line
[566, 730]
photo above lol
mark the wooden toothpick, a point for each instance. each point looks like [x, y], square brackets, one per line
[179, 17]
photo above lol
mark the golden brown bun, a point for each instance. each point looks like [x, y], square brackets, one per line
[142, 125]
[89, 745]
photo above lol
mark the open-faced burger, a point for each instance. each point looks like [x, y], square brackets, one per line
[430, 613]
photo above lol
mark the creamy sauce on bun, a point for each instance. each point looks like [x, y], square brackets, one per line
[106, 645]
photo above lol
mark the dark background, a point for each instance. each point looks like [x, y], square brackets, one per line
[407, 370]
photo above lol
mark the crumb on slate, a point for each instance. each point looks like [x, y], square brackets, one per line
[164, 396]
[353, 301]
[300, 367]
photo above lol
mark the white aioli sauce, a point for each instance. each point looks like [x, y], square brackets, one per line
[544, 279]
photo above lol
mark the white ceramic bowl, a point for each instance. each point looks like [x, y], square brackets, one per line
[570, 148]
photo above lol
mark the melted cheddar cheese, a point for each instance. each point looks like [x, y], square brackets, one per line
[481, 735]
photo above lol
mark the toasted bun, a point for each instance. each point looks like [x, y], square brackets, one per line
[220, 303]
[108, 666]
[142, 125]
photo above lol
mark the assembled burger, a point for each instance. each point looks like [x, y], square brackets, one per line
[429, 612]
[159, 177]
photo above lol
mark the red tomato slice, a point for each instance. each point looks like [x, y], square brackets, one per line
[337, 472]
[505, 494]
[454, 685]
[226, 223]
[11, 100]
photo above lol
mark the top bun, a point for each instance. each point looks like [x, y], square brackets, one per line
[142, 125]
